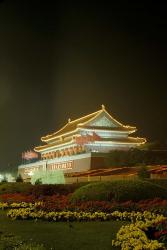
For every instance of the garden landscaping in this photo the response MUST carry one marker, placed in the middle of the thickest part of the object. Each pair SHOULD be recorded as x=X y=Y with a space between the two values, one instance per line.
x=62 y=235
x=105 y=215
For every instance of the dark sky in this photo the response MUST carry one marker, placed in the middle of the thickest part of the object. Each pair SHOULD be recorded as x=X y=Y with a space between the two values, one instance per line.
x=65 y=59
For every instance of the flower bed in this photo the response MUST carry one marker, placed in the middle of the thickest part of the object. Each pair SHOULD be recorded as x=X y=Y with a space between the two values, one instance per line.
x=147 y=230
x=134 y=236
x=16 y=205
x=141 y=233
x=33 y=213
x=28 y=213
x=144 y=229
x=62 y=203
x=131 y=236
x=17 y=197
x=159 y=231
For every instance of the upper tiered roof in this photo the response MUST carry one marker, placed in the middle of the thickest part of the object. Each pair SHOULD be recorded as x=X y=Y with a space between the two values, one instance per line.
x=83 y=122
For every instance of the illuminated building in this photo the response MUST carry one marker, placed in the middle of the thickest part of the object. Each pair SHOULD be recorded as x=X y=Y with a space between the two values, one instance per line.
x=72 y=147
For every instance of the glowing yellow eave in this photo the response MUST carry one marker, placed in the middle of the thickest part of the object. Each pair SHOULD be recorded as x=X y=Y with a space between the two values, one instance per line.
x=104 y=110
x=97 y=113
x=44 y=138
x=45 y=147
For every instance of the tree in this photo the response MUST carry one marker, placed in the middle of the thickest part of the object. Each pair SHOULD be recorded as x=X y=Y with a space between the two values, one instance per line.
x=4 y=180
x=38 y=181
x=19 y=178
x=143 y=172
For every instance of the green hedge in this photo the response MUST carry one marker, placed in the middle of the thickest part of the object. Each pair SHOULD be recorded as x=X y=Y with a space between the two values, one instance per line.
x=120 y=190
x=160 y=182
x=39 y=190
x=51 y=189
x=14 y=188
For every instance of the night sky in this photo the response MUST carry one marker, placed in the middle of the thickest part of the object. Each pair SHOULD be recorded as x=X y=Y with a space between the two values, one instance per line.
x=65 y=59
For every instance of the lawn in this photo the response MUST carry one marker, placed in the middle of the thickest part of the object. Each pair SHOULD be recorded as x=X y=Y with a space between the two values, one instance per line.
x=63 y=236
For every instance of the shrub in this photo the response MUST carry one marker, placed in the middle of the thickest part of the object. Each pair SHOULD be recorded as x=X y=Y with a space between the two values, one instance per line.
x=4 y=180
x=16 y=187
x=53 y=189
x=143 y=172
x=120 y=190
x=38 y=181
x=19 y=178
x=160 y=182
x=38 y=190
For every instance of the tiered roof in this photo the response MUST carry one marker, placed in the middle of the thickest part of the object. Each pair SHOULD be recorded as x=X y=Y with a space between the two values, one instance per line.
x=65 y=134
x=82 y=122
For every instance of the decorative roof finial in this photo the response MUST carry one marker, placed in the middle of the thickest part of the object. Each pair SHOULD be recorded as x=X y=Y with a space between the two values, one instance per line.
x=103 y=107
x=69 y=120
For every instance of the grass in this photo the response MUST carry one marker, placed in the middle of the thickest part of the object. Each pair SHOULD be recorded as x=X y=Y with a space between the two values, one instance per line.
x=61 y=235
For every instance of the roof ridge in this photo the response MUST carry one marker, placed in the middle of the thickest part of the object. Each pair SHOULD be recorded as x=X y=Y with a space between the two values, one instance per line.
x=86 y=116
x=44 y=138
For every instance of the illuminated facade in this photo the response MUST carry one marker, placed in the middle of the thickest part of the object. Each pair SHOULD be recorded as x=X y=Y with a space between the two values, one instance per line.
x=71 y=147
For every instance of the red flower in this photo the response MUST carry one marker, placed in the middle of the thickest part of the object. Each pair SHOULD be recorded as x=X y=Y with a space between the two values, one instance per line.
x=163 y=232
x=156 y=235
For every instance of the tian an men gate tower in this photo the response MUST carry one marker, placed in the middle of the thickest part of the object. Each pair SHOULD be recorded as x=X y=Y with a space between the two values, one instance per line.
x=72 y=148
